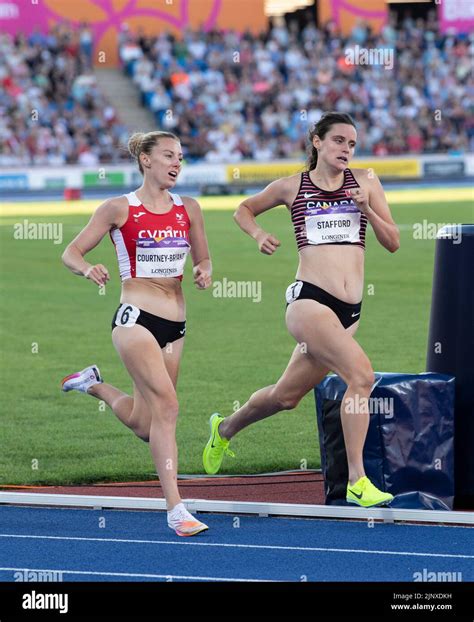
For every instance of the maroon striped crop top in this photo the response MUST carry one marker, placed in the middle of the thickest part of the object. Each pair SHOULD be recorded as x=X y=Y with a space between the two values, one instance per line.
x=327 y=217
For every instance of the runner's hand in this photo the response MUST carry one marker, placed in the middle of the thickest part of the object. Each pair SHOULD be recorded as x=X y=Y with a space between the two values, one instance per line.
x=98 y=274
x=267 y=243
x=360 y=198
x=202 y=278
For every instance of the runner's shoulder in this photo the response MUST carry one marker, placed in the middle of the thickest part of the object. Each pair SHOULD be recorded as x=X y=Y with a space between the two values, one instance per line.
x=287 y=187
x=364 y=176
x=290 y=181
x=191 y=206
x=114 y=210
x=190 y=202
x=118 y=202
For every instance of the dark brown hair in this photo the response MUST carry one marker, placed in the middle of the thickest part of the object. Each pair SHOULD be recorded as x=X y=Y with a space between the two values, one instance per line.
x=321 y=128
x=141 y=142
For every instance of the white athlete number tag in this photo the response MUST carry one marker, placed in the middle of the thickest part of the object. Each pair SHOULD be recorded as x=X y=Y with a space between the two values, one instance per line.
x=127 y=315
x=293 y=291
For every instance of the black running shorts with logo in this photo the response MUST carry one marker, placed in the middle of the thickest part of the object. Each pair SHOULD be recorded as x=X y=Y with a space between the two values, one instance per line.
x=347 y=313
x=163 y=330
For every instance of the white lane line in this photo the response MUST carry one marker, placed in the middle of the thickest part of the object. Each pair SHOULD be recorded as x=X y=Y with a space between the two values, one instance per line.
x=242 y=546
x=136 y=575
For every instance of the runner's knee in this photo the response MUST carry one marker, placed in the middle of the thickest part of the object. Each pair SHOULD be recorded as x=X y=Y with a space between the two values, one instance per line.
x=285 y=400
x=362 y=379
x=164 y=408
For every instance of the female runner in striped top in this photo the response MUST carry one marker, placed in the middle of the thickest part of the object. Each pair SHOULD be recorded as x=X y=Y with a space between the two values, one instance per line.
x=330 y=206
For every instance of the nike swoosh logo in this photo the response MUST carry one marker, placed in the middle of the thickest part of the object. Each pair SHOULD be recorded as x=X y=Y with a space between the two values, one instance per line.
x=355 y=314
x=213 y=438
x=308 y=196
x=181 y=332
x=355 y=494
x=139 y=214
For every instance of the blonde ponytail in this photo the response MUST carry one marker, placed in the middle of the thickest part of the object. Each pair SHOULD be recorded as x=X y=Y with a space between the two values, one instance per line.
x=135 y=143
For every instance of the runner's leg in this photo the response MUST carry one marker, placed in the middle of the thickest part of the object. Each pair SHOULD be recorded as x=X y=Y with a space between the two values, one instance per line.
x=302 y=374
x=138 y=419
x=155 y=401
x=318 y=326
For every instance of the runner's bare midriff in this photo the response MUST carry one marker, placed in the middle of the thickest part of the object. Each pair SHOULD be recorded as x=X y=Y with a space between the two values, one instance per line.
x=336 y=268
x=162 y=297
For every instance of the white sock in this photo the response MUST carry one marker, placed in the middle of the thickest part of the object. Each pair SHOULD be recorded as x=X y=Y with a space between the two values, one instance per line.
x=179 y=513
x=180 y=507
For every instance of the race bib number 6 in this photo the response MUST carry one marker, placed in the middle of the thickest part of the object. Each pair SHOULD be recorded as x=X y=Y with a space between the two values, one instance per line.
x=127 y=315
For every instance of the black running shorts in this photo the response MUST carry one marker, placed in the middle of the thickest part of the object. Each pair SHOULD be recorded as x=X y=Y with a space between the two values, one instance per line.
x=347 y=313
x=163 y=330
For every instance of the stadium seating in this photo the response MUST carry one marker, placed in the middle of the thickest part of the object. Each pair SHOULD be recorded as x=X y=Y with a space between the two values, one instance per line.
x=233 y=96
x=53 y=112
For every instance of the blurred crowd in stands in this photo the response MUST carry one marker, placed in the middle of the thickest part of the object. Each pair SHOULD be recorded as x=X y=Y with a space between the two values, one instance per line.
x=52 y=110
x=232 y=96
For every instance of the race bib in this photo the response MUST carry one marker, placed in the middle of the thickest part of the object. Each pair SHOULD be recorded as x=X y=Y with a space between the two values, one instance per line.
x=162 y=257
x=332 y=221
x=127 y=315
x=293 y=291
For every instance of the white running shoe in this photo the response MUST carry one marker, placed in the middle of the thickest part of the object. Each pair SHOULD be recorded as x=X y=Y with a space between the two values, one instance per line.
x=82 y=380
x=184 y=523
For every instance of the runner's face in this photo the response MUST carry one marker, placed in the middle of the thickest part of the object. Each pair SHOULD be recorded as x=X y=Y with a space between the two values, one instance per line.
x=164 y=162
x=337 y=147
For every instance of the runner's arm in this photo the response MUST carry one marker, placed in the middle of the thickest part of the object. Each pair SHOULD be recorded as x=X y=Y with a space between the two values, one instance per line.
x=245 y=215
x=101 y=222
x=373 y=204
x=202 y=266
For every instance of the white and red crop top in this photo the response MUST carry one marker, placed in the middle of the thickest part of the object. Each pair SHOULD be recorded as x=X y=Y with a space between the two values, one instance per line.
x=152 y=245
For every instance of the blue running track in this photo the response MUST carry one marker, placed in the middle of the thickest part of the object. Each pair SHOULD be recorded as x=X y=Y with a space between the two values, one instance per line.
x=112 y=545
